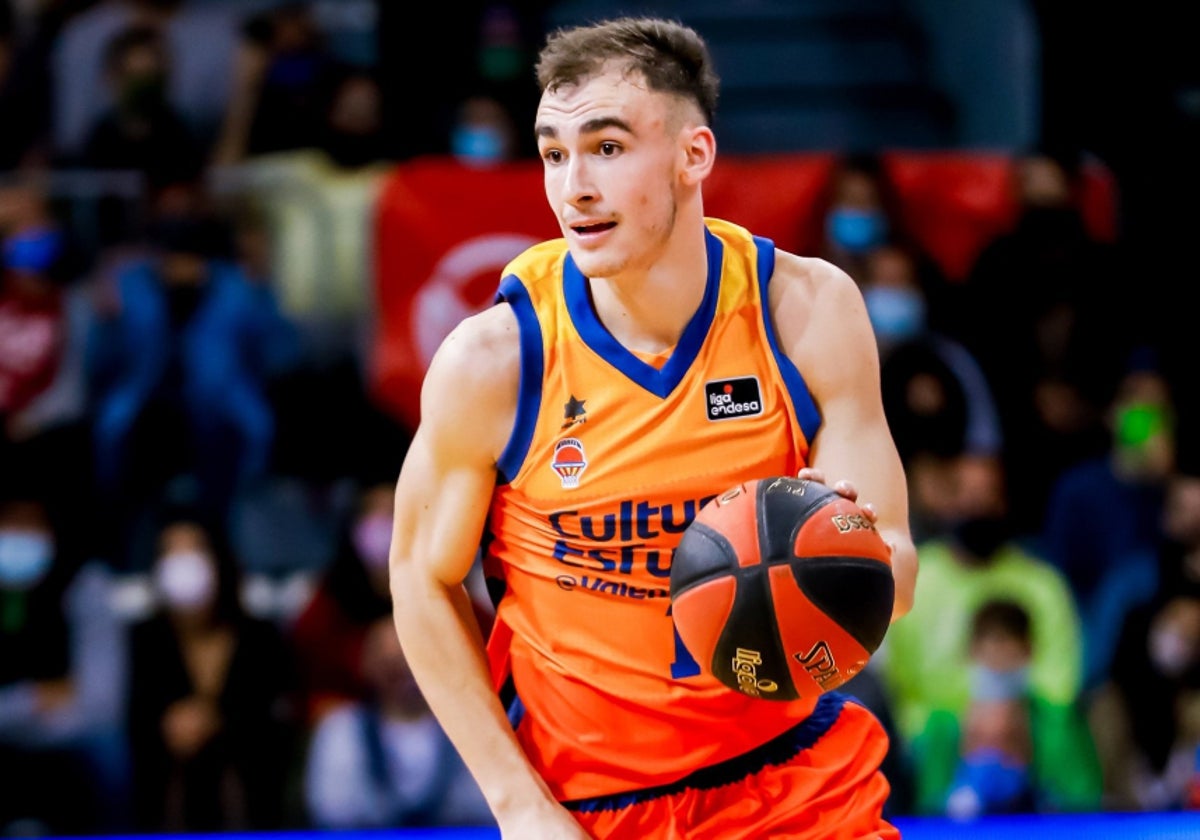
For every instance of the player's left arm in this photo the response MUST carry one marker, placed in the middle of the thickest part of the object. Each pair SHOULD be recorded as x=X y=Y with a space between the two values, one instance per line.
x=823 y=328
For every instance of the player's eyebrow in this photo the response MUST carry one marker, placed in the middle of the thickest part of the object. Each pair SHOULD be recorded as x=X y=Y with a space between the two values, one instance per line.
x=589 y=127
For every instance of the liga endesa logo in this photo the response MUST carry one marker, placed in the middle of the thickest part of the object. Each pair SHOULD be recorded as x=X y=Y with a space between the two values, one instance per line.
x=729 y=399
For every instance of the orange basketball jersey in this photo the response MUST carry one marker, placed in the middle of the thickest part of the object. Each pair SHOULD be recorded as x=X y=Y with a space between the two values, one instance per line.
x=609 y=460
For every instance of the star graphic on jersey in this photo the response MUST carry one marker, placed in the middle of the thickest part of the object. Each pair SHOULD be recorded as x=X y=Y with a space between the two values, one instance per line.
x=574 y=412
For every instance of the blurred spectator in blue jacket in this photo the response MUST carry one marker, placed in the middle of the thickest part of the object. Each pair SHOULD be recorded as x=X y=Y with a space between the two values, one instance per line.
x=1104 y=518
x=191 y=349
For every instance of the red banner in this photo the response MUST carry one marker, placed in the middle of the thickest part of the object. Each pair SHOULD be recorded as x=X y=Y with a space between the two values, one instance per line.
x=444 y=232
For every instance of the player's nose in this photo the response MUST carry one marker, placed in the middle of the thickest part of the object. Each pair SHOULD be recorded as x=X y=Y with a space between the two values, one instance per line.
x=578 y=185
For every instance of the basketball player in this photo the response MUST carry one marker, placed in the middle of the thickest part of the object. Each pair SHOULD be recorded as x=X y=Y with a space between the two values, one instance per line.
x=632 y=370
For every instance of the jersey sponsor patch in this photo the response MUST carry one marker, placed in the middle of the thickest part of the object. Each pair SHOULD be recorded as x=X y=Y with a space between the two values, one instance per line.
x=569 y=462
x=729 y=399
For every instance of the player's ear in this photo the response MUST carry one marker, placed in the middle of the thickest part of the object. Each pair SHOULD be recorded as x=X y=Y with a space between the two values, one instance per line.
x=698 y=152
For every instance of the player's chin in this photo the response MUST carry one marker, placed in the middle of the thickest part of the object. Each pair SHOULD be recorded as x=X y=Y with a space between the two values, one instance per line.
x=594 y=264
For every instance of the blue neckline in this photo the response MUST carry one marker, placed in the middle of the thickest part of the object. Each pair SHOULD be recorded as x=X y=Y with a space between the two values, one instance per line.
x=660 y=382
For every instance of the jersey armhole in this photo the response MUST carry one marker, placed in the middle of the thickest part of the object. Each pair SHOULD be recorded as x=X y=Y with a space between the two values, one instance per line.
x=803 y=405
x=529 y=394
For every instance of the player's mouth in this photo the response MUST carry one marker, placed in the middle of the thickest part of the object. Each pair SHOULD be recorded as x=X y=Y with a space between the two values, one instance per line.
x=592 y=229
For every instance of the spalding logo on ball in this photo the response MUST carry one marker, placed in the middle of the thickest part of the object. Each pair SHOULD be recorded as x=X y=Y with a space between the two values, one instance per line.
x=782 y=588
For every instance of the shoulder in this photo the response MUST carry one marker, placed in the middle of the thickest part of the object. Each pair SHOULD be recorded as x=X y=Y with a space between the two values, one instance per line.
x=470 y=390
x=806 y=285
x=483 y=351
x=820 y=318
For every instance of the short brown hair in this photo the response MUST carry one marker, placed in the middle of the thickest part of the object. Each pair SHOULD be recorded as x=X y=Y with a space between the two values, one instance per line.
x=671 y=57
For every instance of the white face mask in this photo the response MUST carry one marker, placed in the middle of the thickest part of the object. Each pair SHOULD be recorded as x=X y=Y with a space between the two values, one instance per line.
x=373 y=539
x=186 y=579
x=1170 y=651
x=25 y=557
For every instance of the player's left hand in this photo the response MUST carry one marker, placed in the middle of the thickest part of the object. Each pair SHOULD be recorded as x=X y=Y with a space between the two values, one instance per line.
x=842 y=488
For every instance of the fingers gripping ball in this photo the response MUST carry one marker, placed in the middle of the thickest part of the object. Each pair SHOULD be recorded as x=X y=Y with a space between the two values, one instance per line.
x=781 y=588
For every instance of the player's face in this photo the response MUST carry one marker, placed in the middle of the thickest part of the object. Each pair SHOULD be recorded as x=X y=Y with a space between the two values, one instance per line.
x=610 y=150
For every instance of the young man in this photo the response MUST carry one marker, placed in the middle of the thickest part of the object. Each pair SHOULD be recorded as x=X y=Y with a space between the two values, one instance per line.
x=645 y=362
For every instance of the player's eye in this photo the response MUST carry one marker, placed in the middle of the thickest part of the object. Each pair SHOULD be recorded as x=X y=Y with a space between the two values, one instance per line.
x=609 y=149
x=553 y=155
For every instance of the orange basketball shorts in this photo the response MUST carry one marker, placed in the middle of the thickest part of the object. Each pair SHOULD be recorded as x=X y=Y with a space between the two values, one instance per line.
x=818 y=781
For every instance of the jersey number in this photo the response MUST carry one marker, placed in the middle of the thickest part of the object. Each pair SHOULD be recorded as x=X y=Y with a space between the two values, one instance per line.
x=684 y=665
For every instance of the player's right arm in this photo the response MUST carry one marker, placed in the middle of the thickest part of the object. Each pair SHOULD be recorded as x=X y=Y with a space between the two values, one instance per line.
x=468 y=406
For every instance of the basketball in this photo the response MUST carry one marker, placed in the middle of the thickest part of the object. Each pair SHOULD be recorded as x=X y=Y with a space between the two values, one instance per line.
x=781 y=588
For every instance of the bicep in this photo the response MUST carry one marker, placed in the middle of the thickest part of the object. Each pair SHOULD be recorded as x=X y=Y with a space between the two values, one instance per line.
x=841 y=363
x=441 y=504
x=445 y=486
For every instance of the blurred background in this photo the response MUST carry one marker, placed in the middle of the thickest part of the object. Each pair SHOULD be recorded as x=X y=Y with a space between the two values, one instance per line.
x=232 y=234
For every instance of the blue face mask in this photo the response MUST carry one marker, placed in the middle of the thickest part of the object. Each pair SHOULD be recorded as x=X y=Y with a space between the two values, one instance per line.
x=33 y=250
x=856 y=231
x=990 y=684
x=25 y=557
x=477 y=145
x=896 y=314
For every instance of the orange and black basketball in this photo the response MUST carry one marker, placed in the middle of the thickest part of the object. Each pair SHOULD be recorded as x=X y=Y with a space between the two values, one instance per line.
x=782 y=588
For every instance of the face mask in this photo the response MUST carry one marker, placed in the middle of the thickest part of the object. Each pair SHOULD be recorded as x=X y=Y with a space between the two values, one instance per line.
x=856 y=231
x=33 y=250
x=477 y=145
x=144 y=94
x=1171 y=652
x=186 y=579
x=373 y=539
x=25 y=558
x=896 y=314
x=990 y=684
x=981 y=536
x=1137 y=423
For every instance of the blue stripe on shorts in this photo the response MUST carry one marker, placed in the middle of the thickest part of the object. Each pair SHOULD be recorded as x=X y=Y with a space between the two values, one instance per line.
x=779 y=750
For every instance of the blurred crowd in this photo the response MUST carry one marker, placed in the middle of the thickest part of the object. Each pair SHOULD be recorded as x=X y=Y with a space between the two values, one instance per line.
x=195 y=479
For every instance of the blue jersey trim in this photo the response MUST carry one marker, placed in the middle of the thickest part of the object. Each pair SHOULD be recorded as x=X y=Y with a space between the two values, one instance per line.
x=658 y=382
x=779 y=750
x=803 y=404
x=529 y=395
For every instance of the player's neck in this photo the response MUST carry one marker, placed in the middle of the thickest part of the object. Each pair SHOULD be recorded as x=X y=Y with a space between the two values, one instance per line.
x=648 y=310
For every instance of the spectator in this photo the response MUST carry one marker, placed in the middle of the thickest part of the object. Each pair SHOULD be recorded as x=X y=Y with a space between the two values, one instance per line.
x=211 y=702
x=317 y=198
x=39 y=762
x=384 y=761
x=1103 y=523
x=200 y=38
x=1011 y=751
x=329 y=635
x=281 y=88
x=33 y=251
x=142 y=130
x=1144 y=718
x=483 y=133
x=935 y=393
x=189 y=354
x=861 y=214
x=1049 y=344
x=976 y=560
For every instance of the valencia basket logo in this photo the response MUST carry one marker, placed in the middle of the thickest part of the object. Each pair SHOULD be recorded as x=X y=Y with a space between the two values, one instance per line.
x=569 y=462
